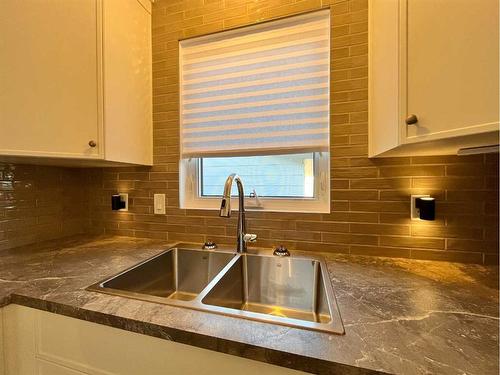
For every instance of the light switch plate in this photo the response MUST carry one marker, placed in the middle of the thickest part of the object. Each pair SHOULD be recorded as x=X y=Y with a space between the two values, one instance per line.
x=159 y=204
x=415 y=212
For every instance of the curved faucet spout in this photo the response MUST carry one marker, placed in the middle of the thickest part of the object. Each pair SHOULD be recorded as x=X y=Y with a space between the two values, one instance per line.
x=225 y=211
x=225 y=207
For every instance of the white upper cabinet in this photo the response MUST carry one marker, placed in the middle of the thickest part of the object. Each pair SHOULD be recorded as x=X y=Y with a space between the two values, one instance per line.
x=75 y=81
x=433 y=76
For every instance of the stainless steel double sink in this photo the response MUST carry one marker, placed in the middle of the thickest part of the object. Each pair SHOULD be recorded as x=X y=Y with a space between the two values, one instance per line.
x=293 y=291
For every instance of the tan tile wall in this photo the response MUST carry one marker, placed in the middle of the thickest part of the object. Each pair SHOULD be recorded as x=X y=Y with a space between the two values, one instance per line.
x=40 y=203
x=370 y=198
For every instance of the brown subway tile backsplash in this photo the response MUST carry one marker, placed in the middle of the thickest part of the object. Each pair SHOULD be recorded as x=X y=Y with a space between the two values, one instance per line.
x=40 y=203
x=370 y=197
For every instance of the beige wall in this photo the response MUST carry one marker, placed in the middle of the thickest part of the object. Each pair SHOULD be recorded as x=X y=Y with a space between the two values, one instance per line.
x=370 y=198
x=40 y=203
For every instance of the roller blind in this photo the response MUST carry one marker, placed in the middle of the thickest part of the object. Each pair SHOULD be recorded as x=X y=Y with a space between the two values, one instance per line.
x=261 y=89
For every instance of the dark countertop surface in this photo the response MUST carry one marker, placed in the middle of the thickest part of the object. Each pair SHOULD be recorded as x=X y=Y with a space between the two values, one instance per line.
x=400 y=316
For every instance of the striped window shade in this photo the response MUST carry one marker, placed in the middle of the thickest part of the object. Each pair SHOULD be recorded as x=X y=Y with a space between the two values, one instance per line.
x=262 y=89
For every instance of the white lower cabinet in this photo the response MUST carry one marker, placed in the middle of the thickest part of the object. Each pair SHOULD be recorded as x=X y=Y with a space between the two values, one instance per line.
x=2 y=370
x=38 y=342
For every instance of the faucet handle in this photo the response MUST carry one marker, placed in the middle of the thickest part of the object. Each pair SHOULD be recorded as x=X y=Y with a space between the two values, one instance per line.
x=249 y=237
x=209 y=245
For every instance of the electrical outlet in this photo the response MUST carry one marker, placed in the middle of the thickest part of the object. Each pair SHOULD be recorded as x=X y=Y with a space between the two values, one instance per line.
x=415 y=212
x=159 y=204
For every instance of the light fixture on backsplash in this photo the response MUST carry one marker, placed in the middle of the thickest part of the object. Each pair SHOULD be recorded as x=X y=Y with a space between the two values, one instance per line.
x=423 y=207
x=119 y=202
x=427 y=208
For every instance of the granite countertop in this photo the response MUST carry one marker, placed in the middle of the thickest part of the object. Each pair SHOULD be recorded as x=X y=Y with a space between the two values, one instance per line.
x=400 y=316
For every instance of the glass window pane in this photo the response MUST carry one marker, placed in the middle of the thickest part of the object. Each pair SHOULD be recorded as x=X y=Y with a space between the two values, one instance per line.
x=270 y=175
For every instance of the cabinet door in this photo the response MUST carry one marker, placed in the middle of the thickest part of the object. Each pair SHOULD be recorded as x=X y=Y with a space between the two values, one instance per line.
x=2 y=360
x=49 y=65
x=45 y=343
x=128 y=92
x=452 y=68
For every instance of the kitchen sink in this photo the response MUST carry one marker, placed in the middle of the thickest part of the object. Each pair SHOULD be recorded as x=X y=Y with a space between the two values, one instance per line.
x=294 y=291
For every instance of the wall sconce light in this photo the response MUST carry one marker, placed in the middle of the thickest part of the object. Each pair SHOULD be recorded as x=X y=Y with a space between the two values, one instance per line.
x=423 y=207
x=119 y=202
x=427 y=208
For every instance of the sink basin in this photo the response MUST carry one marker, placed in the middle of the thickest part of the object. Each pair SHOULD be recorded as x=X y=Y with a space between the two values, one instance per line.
x=282 y=287
x=177 y=274
x=295 y=291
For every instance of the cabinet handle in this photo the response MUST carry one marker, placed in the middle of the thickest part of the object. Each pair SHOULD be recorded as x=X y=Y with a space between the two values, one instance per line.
x=92 y=144
x=411 y=119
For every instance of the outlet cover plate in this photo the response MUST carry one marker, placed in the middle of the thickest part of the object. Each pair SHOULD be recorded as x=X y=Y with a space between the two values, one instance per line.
x=159 y=204
x=415 y=212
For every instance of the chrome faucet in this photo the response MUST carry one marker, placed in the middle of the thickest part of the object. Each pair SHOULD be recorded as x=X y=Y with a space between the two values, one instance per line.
x=225 y=211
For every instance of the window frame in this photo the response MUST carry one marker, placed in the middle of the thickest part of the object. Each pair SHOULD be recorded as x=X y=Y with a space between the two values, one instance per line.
x=191 y=198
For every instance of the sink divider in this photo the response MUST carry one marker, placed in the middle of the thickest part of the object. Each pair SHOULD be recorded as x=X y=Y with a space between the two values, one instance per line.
x=216 y=279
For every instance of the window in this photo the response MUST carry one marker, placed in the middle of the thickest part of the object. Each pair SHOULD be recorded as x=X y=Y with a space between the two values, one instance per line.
x=255 y=101
x=270 y=175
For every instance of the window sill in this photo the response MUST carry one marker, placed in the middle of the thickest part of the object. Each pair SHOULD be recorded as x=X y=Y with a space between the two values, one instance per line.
x=268 y=205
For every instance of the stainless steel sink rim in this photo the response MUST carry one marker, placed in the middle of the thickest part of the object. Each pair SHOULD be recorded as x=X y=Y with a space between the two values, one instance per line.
x=335 y=324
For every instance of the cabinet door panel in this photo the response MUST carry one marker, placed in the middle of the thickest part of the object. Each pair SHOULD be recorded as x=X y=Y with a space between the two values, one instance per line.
x=452 y=57
x=127 y=90
x=2 y=359
x=49 y=77
x=49 y=344
x=49 y=368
